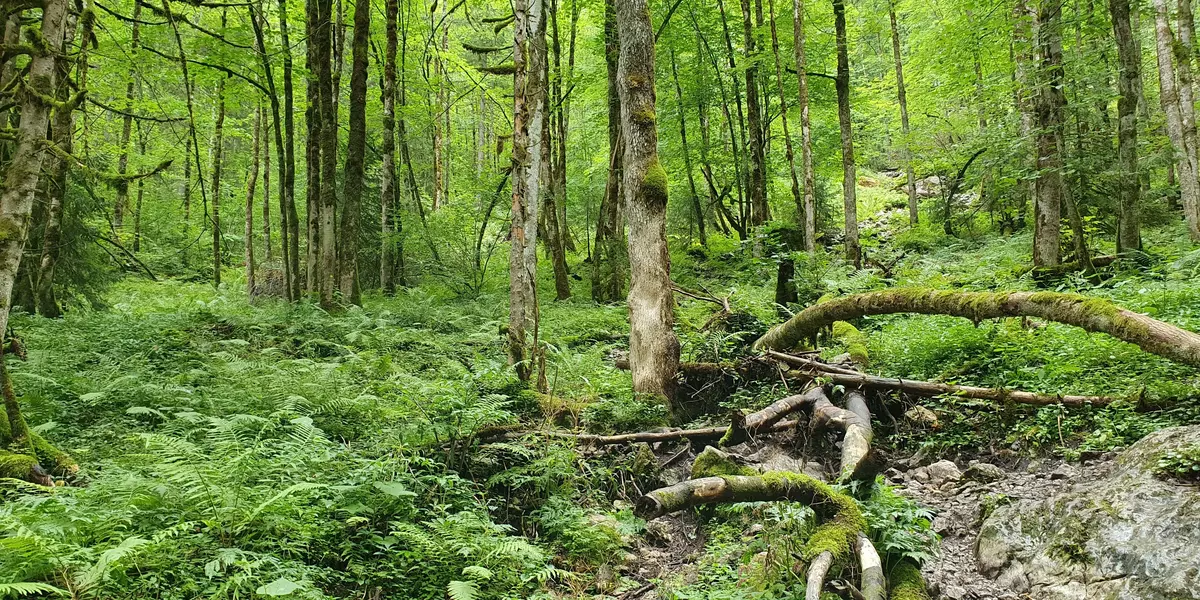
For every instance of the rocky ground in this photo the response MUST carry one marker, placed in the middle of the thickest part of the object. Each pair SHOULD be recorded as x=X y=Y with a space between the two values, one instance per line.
x=961 y=496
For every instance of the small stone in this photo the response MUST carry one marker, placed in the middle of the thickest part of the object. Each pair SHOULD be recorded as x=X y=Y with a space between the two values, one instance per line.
x=984 y=472
x=921 y=474
x=1062 y=472
x=954 y=592
x=659 y=534
x=949 y=486
x=894 y=475
x=943 y=471
x=919 y=415
x=753 y=530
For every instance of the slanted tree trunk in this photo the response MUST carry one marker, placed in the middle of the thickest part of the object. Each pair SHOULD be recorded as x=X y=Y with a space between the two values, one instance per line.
x=1049 y=103
x=127 y=121
x=902 y=99
x=1091 y=314
x=1189 y=187
x=653 y=347
x=1129 y=236
x=251 y=183
x=610 y=260
x=756 y=176
x=356 y=150
x=218 y=157
x=388 y=197
x=529 y=109
x=697 y=208
x=849 y=172
x=806 y=157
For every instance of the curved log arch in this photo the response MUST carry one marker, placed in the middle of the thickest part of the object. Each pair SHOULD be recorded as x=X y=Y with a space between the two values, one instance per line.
x=1091 y=314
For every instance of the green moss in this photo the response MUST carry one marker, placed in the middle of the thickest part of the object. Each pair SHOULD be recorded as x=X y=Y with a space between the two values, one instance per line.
x=843 y=519
x=654 y=184
x=855 y=341
x=16 y=466
x=9 y=228
x=906 y=582
x=52 y=458
x=644 y=116
x=714 y=463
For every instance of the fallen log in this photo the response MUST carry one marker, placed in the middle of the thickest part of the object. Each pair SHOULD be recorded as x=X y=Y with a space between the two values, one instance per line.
x=873 y=585
x=850 y=378
x=1091 y=314
x=815 y=582
x=706 y=434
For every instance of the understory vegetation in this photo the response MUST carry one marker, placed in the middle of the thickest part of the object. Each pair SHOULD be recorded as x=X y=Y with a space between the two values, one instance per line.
x=256 y=449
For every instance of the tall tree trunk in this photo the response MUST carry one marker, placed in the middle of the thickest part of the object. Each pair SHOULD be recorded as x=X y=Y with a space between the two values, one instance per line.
x=268 y=253
x=1023 y=91
x=436 y=73
x=756 y=177
x=849 y=173
x=1185 y=55
x=797 y=195
x=697 y=208
x=286 y=149
x=806 y=158
x=738 y=139
x=653 y=347
x=1049 y=103
x=356 y=150
x=218 y=157
x=1169 y=96
x=251 y=183
x=24 y=170
x=610 y=260
x=141 y=194
x=388 y=198
x=317 y=52
x=1129 y=235
x=327 y=37
x=902 y=98
x=186 y=192
x=127 y=123
x=529 y=109
x=553 y=238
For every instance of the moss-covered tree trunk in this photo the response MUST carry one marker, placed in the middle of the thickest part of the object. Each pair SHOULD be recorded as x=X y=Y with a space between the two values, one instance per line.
x=653 y=347
x=1049 y=104
x=356 y=151
x=849 y=171
x=610 y=262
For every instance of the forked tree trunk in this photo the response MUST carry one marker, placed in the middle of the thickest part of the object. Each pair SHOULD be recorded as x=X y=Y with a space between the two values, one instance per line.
x=1129 y=236
x=806 y=157
x=653 y=347
x=356 y=150
x=251 y=184
x=902 y=98
x=849 y=172
x=1049 y=104
x=1091 y=314
x=529 y=110
x=1189 y=187
x=388 y=198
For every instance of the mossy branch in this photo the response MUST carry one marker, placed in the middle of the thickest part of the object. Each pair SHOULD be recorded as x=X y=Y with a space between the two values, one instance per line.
x=1091 y=314
x=113 y=179
x=504 y=69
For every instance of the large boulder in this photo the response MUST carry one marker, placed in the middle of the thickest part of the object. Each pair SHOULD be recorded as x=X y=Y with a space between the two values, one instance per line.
x=1128 y=536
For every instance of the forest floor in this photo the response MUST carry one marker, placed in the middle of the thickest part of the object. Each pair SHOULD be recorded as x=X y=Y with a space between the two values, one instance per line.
x=232 y=448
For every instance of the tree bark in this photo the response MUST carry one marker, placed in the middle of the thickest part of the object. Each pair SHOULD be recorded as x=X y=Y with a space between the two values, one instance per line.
x=769 y=487
x=127 y=122
x=1185 y=53
x=1091 y=314
x=756 y=177
x=388 y=197
x=1129 y=57
x=653 y=347
x=815 y=581
x=1049 y=104
x=218 y=157
x=902 y=98
x=529 y=107
x=1189 y=187
x=356 y=150
x=317 y=51
x=697 y=208
x=251 y=184
x=328 y=38
x=849 y=172
x=286 y=149
x=806 y=158
x=737 y=138
x=610 y=261
x=268 y=252
x=797 y=195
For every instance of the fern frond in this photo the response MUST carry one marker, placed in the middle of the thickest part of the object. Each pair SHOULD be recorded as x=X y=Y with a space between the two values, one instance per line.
x=462 y=590
x=29 y=588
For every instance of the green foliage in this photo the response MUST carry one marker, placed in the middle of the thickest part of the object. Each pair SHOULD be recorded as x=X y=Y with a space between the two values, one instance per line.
x=1181 y=465
x=900 y=528
x=612 y=415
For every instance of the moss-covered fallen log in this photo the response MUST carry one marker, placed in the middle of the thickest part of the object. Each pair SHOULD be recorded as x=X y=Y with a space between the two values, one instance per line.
x=1091 y=314
x=906 y=583
x=812 y=369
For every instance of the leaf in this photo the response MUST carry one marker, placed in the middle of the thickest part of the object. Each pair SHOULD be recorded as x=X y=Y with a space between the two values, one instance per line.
x=394 y=489
x=478 y=572
x=28 y=589
x=91 y=396
x=462 y=590
x=280 y=587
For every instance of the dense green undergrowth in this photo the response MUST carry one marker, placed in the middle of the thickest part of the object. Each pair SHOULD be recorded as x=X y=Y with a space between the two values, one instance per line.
x=232 y=449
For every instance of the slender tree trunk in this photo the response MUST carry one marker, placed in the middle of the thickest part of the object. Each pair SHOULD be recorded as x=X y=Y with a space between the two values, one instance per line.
x=251 y=183
x=849 y=173
x=1189 y=188
x=653 y=347
x=356 y=151
x=797 y=195
x=1185 y=56
x=609 y=262
x=328 y=269
x=24 y=170
x=218 y=157
x=529 y=109
x=902 y=98
x=1129 y=235
x=289 y=218
x=1048 y=104
x=806 y=158
x=436 y=73
x=756 y=177
x=553 y=238
x=738 y=140
x=388 y=199
x=141 y=195
x=317 y=52
x=697 y=208
x=127 y=123
x=186 y=192
x=268 y=253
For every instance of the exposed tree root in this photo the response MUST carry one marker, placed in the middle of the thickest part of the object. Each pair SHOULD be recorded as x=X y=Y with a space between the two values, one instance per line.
x=850 y=378
x=1091 y=314
x=873 y=586
x=815 y=582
